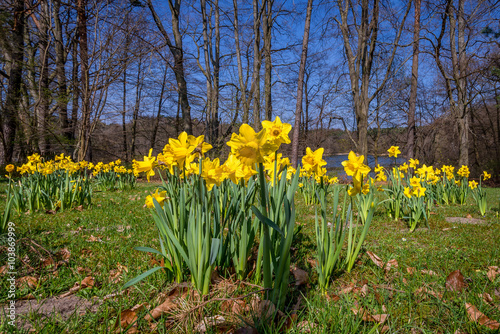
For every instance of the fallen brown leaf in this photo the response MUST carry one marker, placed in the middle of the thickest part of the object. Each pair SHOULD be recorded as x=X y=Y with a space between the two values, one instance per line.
x=87 y=282
x=428 y=272
x=93 y=239
x=115 y=275
x=166 y=307
x=455 y=281
x=47 y=262
x=237 y=306
x=312 y=262
x=364 y=290
x=127 y=318
x=3 y=269
x=79 y=208
x=83 y=270
x=493 y=271
x=332 y=297
x=306 y=326
x=391 y=264
x=422 y=290
x=489 y=300
x=64 y=254
x=27 y=281
x=410 y=270
x=476 y=316
x=375 y=259
x=216 y=320
x=301 y=276
x=366 y=316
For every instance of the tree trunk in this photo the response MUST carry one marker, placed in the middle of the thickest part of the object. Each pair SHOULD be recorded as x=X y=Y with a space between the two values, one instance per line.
x=267 y=36
x=135 y=115
x=300 y=85
x=62 y=98
x=124 y=113
x=158 y=114
x=243 y=85
x=84 y=148
x=42 y=104
x=75 y=86
x=256 y=65
x=13 y=95
x=411 y=134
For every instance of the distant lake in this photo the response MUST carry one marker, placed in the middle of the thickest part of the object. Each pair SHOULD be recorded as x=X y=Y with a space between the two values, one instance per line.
x=335 y=161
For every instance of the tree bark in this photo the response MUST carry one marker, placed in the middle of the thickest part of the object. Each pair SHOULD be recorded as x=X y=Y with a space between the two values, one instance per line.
x=75 y=86
x=135 y=115
x=158 y=114
x=62 y=98
x=13 y=96
x=83 y=149
x=256 y=65
x=300 y=85
x=414 y=83
x=243 y=84
x=267 y=37
x=42 y=103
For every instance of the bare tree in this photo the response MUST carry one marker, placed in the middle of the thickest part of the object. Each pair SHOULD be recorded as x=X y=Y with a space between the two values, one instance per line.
x=178 y=54
x=13 y=96
x=300 y=85
x=360 y=53
x=410 y=144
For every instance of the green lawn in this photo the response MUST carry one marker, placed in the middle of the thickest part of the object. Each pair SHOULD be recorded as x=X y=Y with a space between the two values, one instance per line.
x=101 y=239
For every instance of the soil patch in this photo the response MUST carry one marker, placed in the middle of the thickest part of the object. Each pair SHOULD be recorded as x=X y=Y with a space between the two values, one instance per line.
x=60 y=308
x=462 y=220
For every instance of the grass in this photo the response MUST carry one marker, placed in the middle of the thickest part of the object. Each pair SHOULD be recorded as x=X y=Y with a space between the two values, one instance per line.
x=101 y=239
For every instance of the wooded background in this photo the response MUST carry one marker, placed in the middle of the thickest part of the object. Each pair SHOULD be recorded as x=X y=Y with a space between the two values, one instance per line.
x=102 y=80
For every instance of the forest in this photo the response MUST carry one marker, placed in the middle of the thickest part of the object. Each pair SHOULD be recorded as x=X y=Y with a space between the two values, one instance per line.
x=102 y=80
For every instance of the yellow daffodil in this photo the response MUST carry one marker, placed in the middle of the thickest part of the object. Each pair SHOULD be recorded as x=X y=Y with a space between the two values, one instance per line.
x=366 y=189
x=212 y=172
x=473 y=184
x=181 y=149
x=381 y=177
x=10 y=168
x=394 y=151
x=147 y=165
x=277 y=132
x=463 y=171
x=404 y=167
x=379 y=169
x=415 y=181
x=407 y=192
x=354 y=165
x=419 y=191
x=414 y=163
x=250 y=147
x=159 y=196
x=313 y=162
x=486 y=175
